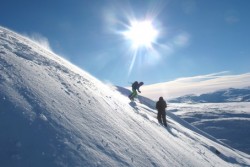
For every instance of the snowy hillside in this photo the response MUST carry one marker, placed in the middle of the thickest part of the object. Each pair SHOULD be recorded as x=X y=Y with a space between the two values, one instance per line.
x=55 y=114
x=228 y=95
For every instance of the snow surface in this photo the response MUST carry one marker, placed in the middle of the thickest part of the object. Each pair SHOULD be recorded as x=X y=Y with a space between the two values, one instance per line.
x=54 y=114
x=228 y=122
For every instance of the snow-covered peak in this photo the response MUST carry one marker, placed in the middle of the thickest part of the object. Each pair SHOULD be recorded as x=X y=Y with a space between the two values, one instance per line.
x=54 y=114
x=220 y=96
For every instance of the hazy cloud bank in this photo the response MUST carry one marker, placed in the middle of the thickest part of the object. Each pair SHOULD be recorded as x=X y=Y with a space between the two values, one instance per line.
x=196 y=85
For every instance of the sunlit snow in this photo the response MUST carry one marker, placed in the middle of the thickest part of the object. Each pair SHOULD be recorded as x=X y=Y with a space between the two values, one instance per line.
x=54 y=114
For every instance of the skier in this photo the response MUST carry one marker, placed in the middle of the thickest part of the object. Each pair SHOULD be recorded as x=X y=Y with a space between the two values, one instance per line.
x=161 y=105
x=135 y=86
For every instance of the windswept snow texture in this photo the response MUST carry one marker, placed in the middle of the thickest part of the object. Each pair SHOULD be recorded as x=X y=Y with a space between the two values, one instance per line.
x=221 y=96
x=54 y=114
x=228 y=122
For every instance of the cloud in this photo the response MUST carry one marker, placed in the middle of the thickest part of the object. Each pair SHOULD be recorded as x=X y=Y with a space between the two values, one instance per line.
x=232 y=19
x=232 y=16
x=182 y=39
x=169 y=47
x=196 y=85
x=202 y=77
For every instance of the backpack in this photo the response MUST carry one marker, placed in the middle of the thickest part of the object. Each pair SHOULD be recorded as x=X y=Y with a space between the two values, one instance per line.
x=135 y=85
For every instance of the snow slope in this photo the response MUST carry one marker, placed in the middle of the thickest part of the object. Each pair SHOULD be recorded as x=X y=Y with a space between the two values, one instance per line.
x=55 y=114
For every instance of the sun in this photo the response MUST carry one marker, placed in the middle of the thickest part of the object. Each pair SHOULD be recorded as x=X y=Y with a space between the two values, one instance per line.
x=141 y=34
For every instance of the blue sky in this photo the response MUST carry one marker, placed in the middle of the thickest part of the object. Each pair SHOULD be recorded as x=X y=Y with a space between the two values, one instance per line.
x=196 y=37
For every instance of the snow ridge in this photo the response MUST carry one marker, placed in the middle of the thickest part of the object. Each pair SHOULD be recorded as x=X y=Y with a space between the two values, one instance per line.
x=54 y=114
x=226 y=95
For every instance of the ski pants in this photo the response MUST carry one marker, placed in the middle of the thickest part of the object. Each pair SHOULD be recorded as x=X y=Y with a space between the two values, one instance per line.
x=161 y=116
x=133 y=94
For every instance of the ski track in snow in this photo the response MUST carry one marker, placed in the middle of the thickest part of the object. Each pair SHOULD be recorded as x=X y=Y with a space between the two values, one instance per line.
x=54 y=114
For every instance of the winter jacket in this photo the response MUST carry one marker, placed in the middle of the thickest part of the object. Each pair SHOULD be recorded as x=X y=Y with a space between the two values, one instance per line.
x=161 y=105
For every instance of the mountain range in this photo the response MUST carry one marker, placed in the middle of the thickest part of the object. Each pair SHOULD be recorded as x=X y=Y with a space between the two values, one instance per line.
x=221 y=96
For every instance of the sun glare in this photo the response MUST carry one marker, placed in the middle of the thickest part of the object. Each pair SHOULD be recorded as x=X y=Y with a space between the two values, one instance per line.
x=141 y=34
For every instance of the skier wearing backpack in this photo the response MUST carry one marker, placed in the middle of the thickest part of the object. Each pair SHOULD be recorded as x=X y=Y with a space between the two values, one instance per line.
x=135 y=87
x=161 y=105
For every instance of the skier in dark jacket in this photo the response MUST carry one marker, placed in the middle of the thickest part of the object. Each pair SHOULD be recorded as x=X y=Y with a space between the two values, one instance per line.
x=135 y=87
x=161 y=105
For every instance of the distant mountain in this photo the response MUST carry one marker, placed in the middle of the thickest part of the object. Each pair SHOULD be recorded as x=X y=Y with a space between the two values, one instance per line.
x=221 y=96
